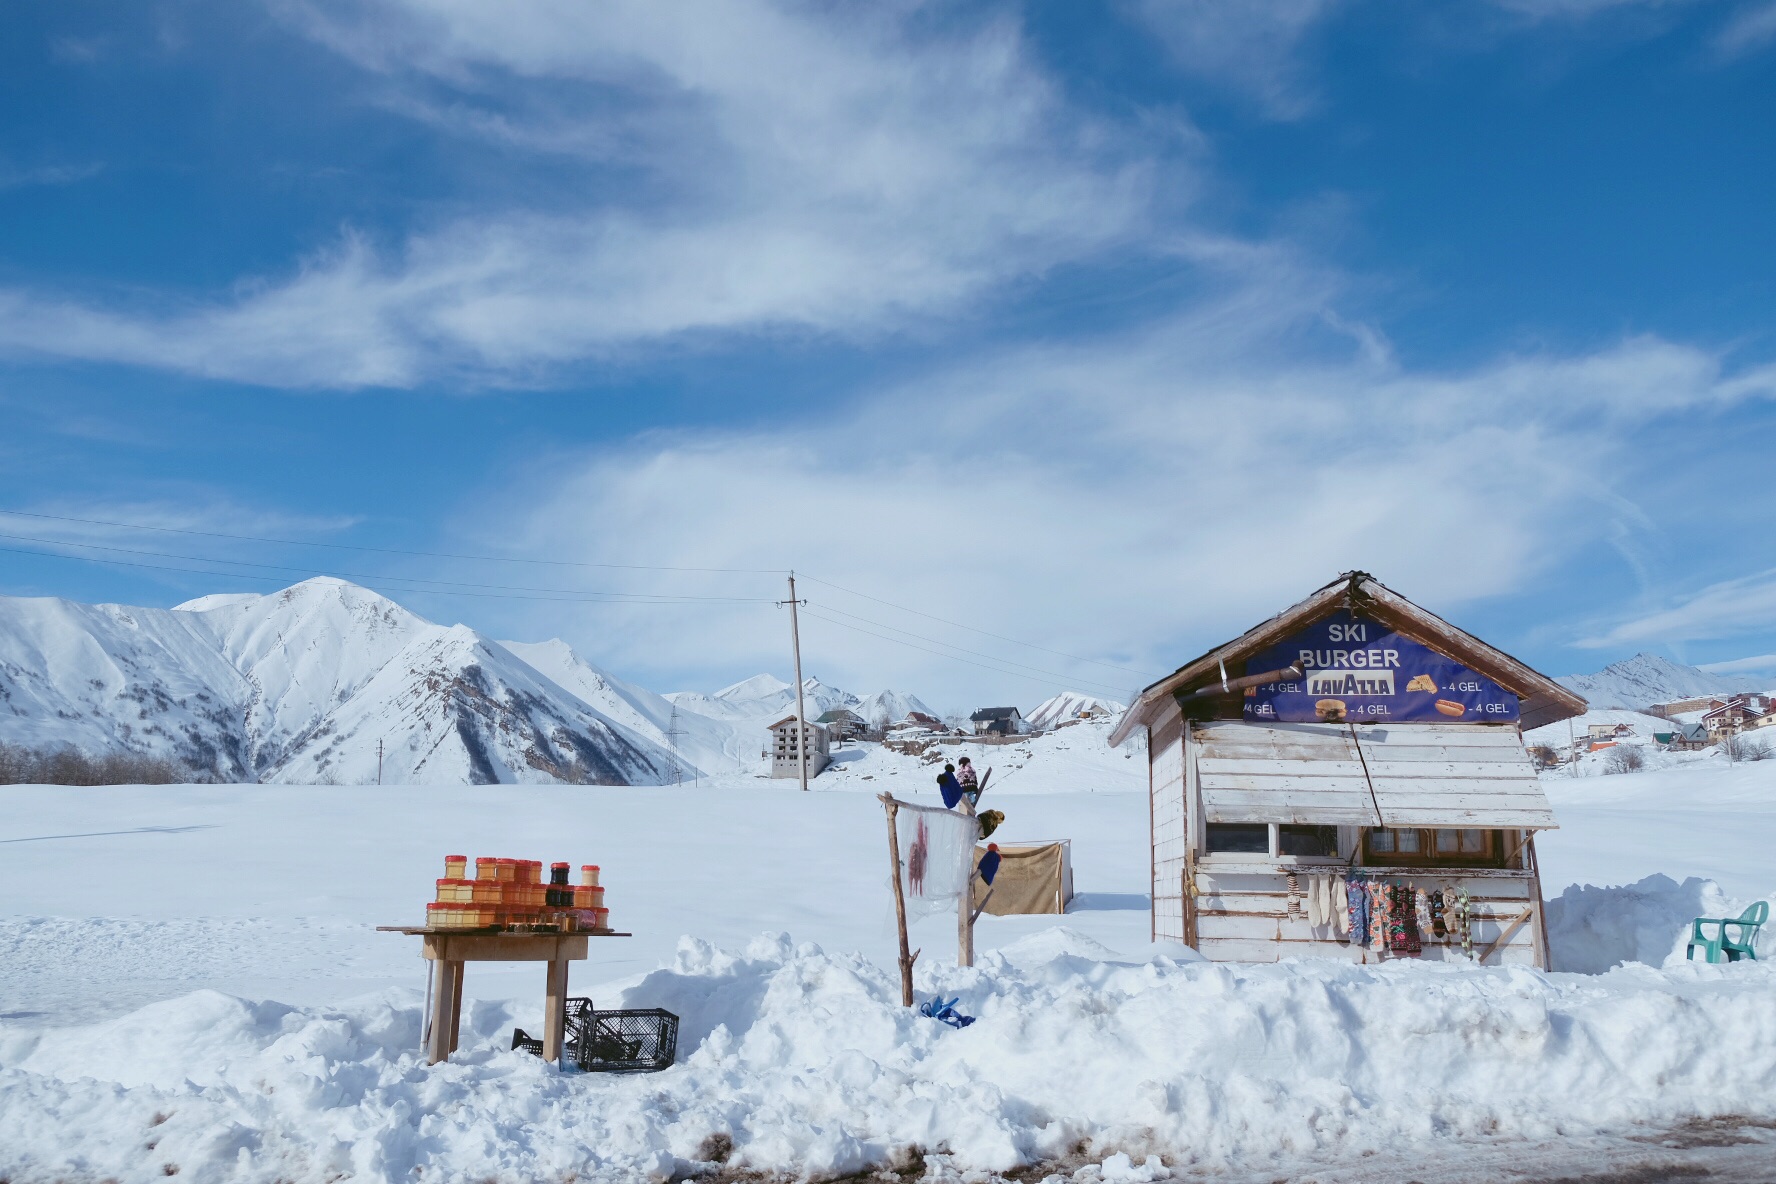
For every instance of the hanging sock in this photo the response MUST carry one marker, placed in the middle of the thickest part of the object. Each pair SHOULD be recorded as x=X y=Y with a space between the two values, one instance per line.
x=1340 y=905
x=1437 y=927
x=1378 y=918
x=1293 y=908
x=1316 y=901
x=1357 y=902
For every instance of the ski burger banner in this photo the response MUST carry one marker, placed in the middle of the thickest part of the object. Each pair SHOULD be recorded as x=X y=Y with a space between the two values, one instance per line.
x=1356 y=669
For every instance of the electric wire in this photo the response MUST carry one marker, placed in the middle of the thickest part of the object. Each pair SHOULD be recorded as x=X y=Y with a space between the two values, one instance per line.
x=983 y=632
x=1048 y=680
x=421 y=584
x=249 y=538
x=582 y=598
x=950 y=645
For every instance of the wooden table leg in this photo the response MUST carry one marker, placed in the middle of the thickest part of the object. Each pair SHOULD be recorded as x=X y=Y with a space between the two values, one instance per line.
x=555 y=1010
x=456 y=996
x=444 y=1013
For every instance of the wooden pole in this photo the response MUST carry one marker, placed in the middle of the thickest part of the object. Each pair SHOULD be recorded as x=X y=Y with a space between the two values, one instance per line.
x=900 y=924
x=795 y=637
x=965 y=902
x=439 y=1041
x=554 y=1009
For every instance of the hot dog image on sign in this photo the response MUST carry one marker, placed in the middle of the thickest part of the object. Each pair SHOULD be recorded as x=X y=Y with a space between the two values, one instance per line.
x=1356 y=670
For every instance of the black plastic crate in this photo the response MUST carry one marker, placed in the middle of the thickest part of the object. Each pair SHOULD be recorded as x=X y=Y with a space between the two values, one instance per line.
x=642 y=1040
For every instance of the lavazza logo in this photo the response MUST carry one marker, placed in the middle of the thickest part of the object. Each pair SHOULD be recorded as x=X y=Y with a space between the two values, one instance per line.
x=1350 y=682
x=1350 y=671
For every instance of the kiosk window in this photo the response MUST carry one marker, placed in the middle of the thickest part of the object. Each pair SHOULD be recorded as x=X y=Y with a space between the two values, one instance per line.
x=1307 y=840
x=1242 y=838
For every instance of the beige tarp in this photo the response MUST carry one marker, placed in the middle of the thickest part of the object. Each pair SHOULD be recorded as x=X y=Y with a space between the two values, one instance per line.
x=1033 y=878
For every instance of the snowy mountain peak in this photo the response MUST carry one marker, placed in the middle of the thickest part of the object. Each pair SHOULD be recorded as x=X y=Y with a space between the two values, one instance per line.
x=759 y=686
x=1646 y=679
x=1070 y=705
x=889 y=707
x=302 y=685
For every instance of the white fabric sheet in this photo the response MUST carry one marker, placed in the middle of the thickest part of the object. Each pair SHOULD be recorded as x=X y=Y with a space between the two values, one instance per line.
x=936 y=856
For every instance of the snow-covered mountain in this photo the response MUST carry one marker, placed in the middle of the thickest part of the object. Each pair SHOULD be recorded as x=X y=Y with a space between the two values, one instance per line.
x=702 y=743
x=299 y=686
x=1069 y=705
x=889 y=707
x=765 y=696
x=1646 y=679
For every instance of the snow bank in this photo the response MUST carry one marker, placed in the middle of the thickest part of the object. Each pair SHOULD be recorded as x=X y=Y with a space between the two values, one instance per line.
x=1592 y=929
x=800 y=1062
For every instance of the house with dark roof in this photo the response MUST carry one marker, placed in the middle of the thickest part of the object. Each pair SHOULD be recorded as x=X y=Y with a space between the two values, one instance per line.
x=997 y=721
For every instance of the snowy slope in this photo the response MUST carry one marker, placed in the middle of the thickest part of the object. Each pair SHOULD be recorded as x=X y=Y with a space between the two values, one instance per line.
x=1646 y=679
x=765 y=697
x=244 y=1018
x=889 y=707
x=300 y=685
x=705 y=745
x=105 y=677
x=460 y=708
x=1069 y=705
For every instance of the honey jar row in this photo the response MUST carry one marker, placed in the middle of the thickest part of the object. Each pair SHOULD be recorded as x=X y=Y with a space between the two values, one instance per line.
x=511 y=894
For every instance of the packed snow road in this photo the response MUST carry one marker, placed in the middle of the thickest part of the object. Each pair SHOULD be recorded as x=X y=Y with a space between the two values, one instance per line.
x=189 y=979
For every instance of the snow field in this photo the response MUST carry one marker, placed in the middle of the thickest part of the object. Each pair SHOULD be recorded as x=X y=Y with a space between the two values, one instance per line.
x=140 y=954
x=804 y=1063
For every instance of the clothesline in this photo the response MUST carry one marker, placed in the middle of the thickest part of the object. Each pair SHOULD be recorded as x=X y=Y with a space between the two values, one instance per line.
x=1388 y=918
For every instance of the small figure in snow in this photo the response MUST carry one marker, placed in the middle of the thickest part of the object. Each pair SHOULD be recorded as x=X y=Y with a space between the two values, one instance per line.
x=968 y=779
x=949 y=786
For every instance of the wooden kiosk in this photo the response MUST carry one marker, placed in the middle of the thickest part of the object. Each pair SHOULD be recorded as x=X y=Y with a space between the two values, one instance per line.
x=1354 y=735
x=452 y=948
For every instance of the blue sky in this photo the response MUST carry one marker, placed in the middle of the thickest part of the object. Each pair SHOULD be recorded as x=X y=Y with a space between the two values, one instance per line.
x=1102 y=330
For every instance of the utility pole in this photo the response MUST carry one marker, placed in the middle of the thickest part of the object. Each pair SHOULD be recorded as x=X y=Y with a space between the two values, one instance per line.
x=795 y=637
x=672 y=735
x=379 y=762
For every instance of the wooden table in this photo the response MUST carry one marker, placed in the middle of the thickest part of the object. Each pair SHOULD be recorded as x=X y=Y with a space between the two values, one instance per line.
x=450 y=948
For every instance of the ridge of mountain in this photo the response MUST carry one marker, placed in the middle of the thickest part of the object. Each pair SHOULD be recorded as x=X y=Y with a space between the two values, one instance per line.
x=1646 y=679
x=299 y=685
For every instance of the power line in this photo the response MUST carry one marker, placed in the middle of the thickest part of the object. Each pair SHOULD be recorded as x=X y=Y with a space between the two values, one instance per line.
x=645 y=597
x=241 y=575
x=1064 y=679
x=948 y=645
x=983 y=632
x=248 y=538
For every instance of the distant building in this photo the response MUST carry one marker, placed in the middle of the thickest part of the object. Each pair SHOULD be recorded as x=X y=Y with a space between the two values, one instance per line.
x=1608 y=731
x=843 y=724
x=786 y=754
x=920 y=719
x=1736 y=714
x=1685 y=706
x=997 y=721
x=1691 y=737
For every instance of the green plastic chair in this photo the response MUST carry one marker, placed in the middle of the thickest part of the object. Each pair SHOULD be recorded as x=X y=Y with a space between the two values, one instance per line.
x=1748 y=923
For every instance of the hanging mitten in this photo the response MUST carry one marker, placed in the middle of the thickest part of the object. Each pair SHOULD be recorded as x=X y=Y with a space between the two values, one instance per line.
x=989 y=821
x=989 y=864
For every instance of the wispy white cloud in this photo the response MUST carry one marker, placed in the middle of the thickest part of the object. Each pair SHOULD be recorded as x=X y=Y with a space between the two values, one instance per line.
x=783 y=170
x=1251 y=48
x=1726 y=609
x=1749 y=29
x=1128 y=498
x=12 y=177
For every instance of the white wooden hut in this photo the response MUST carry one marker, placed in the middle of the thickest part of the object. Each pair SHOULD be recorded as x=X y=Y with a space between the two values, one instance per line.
x=1353 y=739
x=786 y=755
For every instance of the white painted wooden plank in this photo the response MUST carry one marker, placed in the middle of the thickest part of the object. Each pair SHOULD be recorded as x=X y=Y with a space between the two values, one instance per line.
x=1237 y=950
